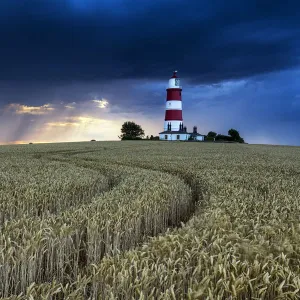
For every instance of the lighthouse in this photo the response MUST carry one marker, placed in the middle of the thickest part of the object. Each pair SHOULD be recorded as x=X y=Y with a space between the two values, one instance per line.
x=173 y=125
x=173 y=115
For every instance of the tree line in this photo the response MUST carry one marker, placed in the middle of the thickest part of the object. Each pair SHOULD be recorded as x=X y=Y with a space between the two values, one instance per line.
x=132 y=131
x=233 y=136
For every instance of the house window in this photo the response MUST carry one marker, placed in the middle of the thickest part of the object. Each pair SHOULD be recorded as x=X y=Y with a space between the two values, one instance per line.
x=178 y=137
x=166 y=137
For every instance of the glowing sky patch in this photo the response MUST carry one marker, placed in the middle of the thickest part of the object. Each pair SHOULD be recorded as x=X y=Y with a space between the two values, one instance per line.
x=60 y=124
x=70 y=105
x=101 y=103
x=20 y=109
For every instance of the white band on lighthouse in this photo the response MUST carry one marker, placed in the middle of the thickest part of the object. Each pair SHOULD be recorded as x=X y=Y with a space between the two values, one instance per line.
x=173 y=105
x=174 y=83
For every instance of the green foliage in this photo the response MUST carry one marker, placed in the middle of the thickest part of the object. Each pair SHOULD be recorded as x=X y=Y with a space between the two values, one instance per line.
x=131 y=131
x=130 y=138
x=234 y=134
x=154 y=138
x=209 y=139
x=212 y=134
x=221 y=137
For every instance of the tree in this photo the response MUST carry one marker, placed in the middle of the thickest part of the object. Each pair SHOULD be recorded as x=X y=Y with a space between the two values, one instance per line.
x=235 y=135
x=212 y=134
x=151 y=137
x=131 y=131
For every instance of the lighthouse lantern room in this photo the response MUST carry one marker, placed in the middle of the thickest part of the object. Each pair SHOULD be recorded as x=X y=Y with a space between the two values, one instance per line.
x=173 y=126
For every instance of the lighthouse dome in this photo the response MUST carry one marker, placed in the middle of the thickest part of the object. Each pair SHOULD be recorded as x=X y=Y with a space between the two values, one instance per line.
x=174 y=82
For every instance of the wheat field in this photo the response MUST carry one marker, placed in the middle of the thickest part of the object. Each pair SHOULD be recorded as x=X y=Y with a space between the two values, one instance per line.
x=149 y=220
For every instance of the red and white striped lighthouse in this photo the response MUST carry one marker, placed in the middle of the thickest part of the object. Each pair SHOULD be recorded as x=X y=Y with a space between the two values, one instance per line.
x=173 y=116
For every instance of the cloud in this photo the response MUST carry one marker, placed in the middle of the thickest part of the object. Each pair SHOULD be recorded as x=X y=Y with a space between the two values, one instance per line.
x=208 y=42
x=101 y=103
x=86 y=120
x=69 y=105
x=61 y=124
x=20 y=109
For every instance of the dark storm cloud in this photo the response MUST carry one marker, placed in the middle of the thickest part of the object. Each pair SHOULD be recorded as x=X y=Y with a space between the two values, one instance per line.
x=207 y=41
x=231 y=56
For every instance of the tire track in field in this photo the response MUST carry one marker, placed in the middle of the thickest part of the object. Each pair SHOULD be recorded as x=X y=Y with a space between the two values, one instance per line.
x=198 y=188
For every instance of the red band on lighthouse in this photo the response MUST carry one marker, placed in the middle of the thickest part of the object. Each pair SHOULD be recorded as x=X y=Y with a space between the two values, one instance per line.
x=173 y=115
x=174 y=94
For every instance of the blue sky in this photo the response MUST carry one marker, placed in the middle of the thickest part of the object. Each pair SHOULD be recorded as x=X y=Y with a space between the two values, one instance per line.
x=75 y=70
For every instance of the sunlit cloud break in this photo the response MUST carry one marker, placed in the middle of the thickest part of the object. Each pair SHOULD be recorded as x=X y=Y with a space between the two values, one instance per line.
x=101 y=103
x=61 y=124
x=70 y=105
x=76 y=121
x=20 y=109
x=85 y=120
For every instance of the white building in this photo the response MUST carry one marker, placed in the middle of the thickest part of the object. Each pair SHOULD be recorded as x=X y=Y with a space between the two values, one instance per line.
x=170 y=135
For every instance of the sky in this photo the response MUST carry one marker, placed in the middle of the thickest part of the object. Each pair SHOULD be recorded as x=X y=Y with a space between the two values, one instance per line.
x=75 y=70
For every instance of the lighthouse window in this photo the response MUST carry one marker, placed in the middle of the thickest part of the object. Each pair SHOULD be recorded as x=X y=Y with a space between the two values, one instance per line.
x=178 y=137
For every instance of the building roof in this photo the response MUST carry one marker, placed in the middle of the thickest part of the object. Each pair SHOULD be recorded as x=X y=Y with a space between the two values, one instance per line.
x=181 y=132
x=196 y=134
x=174 y=132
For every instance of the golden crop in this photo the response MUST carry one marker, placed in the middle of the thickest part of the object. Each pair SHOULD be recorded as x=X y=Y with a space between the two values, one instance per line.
x=149 y=220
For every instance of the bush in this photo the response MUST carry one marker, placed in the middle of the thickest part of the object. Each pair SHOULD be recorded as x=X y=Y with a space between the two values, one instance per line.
x=209 y=139
x=129 y=138
x=221 y=137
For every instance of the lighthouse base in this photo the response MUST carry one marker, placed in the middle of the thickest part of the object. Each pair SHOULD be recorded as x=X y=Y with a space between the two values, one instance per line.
x=175 y=125
x=174 y=136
